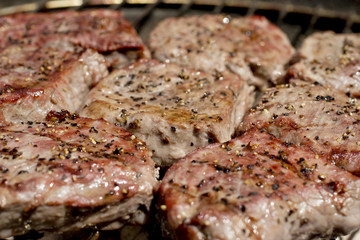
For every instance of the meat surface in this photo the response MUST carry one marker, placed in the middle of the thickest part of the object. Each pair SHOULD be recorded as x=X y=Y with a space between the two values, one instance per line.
x=35 y=80
x=173 y=109
x=304 y=113
x=330 y=59
x=49 y=61
x=101 y=30
x=70 y=173
x=251 y=47
x=257 y=187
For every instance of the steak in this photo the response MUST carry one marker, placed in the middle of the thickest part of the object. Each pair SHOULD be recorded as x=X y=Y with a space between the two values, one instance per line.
x=101 y=30
x=257 y=187
x=251 y=47
x=55 y=76
x=70 y=173
x=330 y=59
x=105 y=31
x=173 y=109
x=49 y=61
x=304 y=113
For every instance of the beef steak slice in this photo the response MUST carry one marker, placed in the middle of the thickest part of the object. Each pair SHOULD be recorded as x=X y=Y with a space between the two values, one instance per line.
x=330 y=59
x=49 y=61
x=55 y=76
x=102 y=30
x=305 y=113
x=251 y=47
x=71 y=174
x=257 y=187
x=171 y=108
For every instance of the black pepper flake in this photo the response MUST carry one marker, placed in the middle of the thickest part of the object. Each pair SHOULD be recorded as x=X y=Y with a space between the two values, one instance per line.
x=117 y=151
x=128 y=83
x=92 y=129
x=243 y=208
x=204 y=195
x=217 y=188
x=225 y=201
x=173 y=129
x=301 y=160
x=165 y=141
x=22 y=172
x=201 y=183
x=221 y=168
x=275 y=186
x=136 y=99
x=325 y=98
x=108 y=145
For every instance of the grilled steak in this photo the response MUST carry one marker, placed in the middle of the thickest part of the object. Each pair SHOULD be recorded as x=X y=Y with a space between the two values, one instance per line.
x=106 y=31
x=72 y=174
x=35 y=80
x=251 y=47
x=257 y=187
x=173 y=109
x=49 y=61
x=102 y=30
x=324 y=119
x=330 y=59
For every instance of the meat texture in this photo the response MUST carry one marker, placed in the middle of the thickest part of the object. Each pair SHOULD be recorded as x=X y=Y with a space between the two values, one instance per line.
x=72 y=174
x=101 y=30
x=257 y=187
x=173 y=109
x=304 y=113
x=251 y=47
x=35 y=80
x=106 y=31
x=49 y=61
x=330 y=59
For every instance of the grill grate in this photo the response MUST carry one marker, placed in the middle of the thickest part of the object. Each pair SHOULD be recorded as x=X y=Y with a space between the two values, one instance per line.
x=296 y=18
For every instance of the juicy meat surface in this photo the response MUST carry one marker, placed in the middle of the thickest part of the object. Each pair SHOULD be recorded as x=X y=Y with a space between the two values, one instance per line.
x=173 y=109
x=330 y=59
x=304 y=113
x=251 y=47
x=257 y=187
x=49 y=61
x=72 y=174
x=55 y=76
x=101 y=30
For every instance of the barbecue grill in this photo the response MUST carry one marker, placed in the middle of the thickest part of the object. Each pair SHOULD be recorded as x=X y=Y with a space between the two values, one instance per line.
x=297 y=18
